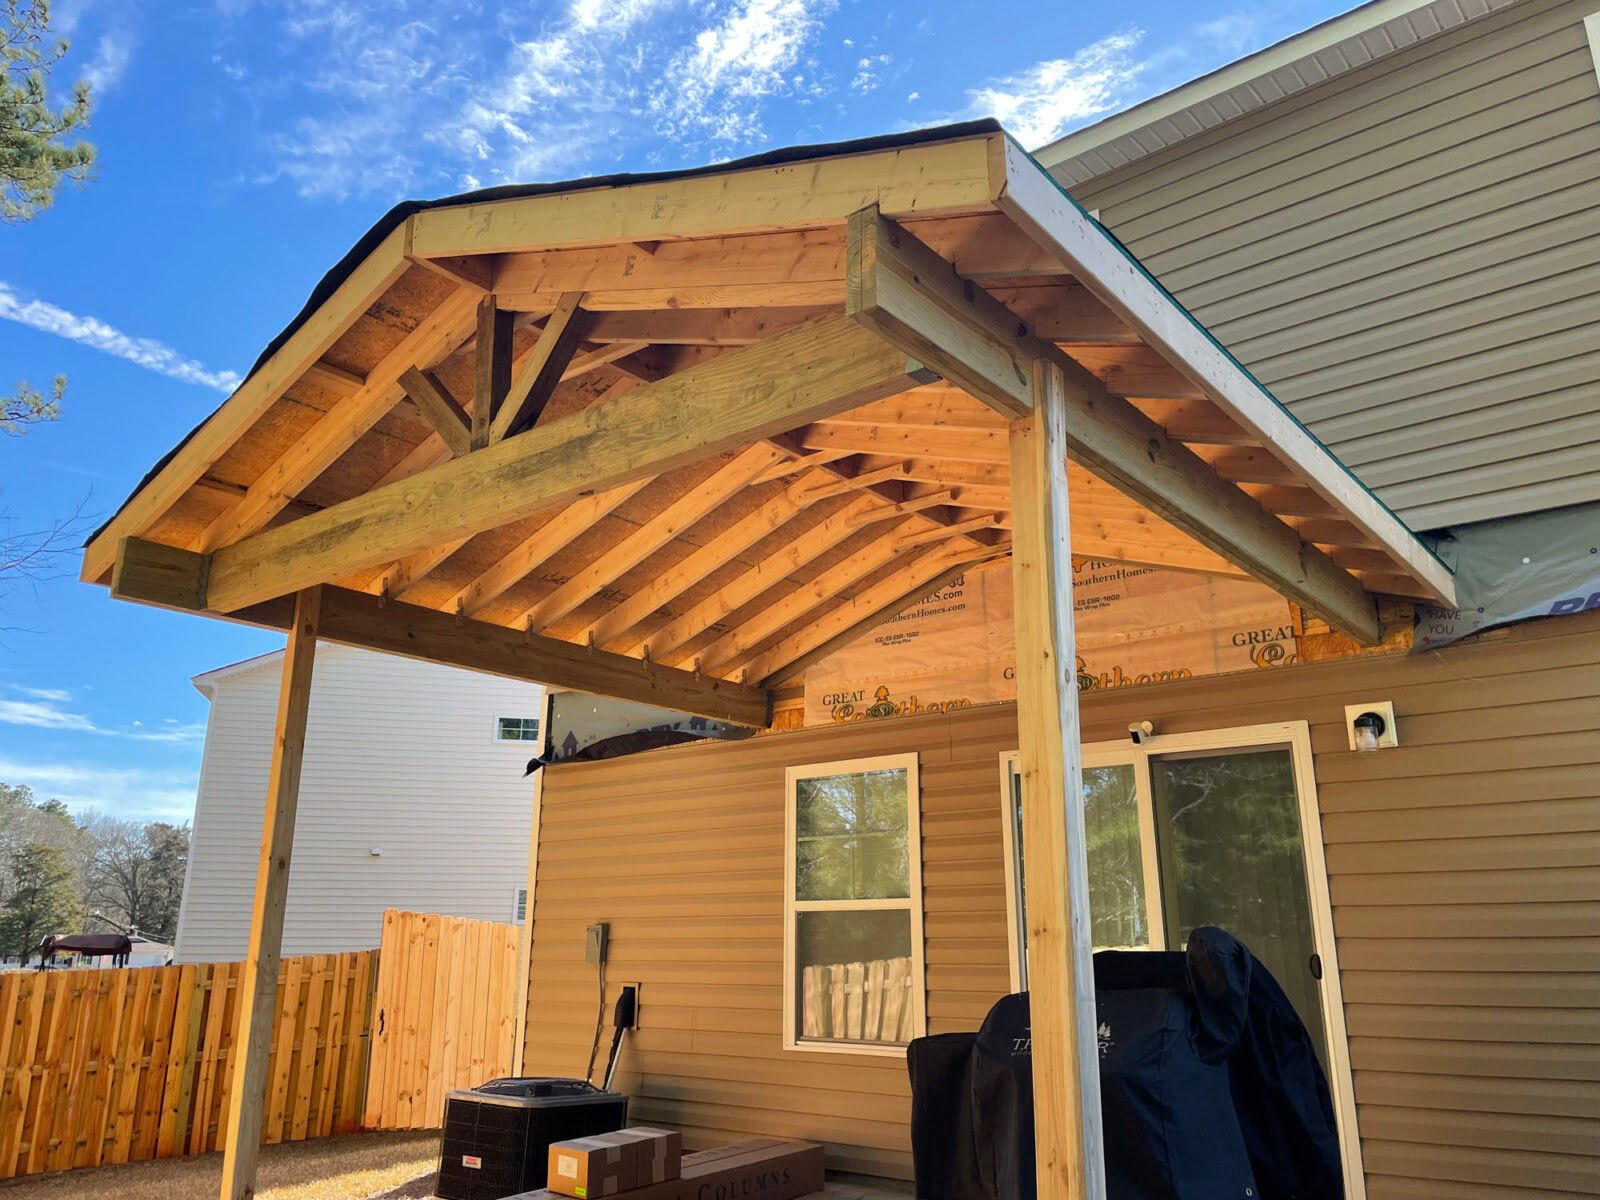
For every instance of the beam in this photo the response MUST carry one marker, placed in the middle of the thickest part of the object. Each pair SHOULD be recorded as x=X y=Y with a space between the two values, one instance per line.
x=258 y=980
x=357 y=619
x=1068 y=1151
x=1042 y=209
x=439 y=408
x=538 y=377
x=491 y=366
x=250 y=401
x=935 y=179
x=742 y=396
x=918 y=302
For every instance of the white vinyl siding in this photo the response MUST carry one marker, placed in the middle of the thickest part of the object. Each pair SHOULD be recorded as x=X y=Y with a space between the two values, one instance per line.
x=396 y=762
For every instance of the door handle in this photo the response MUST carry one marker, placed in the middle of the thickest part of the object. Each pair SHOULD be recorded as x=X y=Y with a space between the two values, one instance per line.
x=1316 y=966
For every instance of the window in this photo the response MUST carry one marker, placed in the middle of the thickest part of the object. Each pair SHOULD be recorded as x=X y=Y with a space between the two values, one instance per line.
x=516 y=729
x=853 y=978
x=1215 y=828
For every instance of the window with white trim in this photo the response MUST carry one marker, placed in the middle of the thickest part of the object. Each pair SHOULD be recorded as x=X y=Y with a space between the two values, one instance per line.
x=854 y=975
x=516 y=729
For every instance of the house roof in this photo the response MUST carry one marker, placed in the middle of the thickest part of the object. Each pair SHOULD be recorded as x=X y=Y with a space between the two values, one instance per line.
x=1358 y=37
x=613 y=493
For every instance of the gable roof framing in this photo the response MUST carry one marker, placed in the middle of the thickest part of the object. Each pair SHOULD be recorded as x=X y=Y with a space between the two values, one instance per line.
x=713 y=425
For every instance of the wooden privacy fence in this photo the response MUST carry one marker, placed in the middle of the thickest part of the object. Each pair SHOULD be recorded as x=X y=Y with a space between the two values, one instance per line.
x=859 y=1000
x=111 y=1066
x=444 y=1015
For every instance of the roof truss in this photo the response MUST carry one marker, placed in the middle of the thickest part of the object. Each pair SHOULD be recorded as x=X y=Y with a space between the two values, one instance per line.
x=718 y=425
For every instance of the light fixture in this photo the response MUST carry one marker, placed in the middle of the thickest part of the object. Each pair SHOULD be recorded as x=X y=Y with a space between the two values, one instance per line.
x=1370 y=726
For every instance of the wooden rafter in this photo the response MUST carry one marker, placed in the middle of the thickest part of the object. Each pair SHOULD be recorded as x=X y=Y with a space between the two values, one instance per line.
x=730 y=650
x=720 y=550
x=672 y=521
x=439 y=333
x=665 y=644
x=250 y=401
x=527 y=555
x=913 y=573
x=825 y=366
x=434 y=401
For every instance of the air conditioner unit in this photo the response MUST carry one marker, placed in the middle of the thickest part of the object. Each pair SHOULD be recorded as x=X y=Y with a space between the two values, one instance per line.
x=497 y=1136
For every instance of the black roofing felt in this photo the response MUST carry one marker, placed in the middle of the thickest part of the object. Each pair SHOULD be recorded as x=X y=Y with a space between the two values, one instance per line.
x=512 y=191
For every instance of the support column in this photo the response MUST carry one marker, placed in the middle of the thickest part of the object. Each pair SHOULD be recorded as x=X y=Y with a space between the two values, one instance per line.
x=258 y=983
x=1066 y=1071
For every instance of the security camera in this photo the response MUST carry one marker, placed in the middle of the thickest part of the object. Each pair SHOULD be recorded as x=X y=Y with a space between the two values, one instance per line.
x=1139 y=730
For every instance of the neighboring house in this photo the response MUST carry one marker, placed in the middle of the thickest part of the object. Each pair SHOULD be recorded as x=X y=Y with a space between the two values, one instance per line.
x=1396 y=230
x=412 y=796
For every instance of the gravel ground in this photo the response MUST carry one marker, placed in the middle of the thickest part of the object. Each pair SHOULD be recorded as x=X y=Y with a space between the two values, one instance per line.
x=354 y=1167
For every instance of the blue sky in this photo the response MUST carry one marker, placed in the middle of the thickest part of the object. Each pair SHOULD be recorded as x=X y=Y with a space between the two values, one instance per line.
x=245 y=144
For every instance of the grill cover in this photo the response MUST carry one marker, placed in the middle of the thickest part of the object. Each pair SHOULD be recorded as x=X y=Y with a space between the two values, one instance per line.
x=1210 y=1088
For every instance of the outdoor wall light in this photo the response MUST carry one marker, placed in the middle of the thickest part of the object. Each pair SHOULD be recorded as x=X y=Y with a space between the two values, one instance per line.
x=1370 y=726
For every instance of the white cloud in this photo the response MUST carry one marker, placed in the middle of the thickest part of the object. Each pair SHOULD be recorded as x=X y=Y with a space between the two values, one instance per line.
x=1041 y=103
x=112 y=54
x=749 y=53
x=119 y=791
x=91 y=331
x=46 y=708
x=866 y=78
x=46 y=714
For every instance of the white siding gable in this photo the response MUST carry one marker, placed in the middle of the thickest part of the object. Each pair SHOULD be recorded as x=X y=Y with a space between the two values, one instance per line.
x=401 y=758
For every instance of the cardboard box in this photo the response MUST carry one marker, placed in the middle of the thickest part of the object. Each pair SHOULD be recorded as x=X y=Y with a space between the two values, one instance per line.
x=660 y=1154
x=590 y=1167
x=768 y=1168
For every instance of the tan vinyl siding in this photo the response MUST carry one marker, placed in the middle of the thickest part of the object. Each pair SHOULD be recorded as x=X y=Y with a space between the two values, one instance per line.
x=1405 y=256
x=1464 y=867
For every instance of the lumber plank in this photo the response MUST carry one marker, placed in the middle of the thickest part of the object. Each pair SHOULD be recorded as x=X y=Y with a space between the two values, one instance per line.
x=259 y=978
x=720 y=550
x=537 y=378
x=491 y=366
x=728 y=651
x=742 y=396
x=364 y=286
x=937 y=179
x=673 y=520
x=1066 y=1080
x=434 y=401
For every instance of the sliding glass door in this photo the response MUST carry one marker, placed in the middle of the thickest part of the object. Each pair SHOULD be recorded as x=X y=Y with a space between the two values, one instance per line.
x=1217 y=828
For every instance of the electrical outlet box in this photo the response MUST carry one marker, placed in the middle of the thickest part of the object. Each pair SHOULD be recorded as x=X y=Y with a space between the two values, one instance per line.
x=638 y=1003
x=595 y=943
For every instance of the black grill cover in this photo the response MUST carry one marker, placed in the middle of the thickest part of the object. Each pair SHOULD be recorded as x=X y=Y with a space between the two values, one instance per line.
x=942 y=1151
x=1279 y=1090
x=1210 y=1088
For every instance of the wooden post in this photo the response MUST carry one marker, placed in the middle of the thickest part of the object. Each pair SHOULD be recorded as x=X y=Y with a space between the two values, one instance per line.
x=258 y=984
x=1066 y=1061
